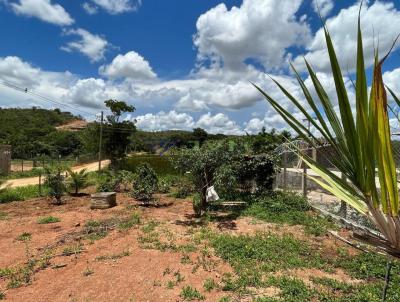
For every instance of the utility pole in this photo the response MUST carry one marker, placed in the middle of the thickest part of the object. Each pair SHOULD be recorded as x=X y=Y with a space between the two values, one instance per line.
x=100 y=139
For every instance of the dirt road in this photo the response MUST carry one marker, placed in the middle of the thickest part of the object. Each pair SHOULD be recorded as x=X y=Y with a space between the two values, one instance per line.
x=21 y=182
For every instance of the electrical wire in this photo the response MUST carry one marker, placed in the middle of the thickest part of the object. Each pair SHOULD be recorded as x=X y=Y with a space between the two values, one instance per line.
x=15 y=86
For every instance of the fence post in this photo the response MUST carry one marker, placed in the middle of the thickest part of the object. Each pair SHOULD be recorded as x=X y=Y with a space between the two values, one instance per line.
x=343 y=205
x=22 y=165
x=304 y=180
x=40 y=183
x=284 y=171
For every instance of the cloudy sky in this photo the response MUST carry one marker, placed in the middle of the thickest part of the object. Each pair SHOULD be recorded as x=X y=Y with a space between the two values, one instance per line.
x=182 y=63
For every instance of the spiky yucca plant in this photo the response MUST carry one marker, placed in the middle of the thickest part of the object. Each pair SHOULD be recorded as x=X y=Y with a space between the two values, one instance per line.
x=361 y=144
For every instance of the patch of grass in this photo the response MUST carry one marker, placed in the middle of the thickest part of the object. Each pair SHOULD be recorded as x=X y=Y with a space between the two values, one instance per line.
x=189 y=293
x=170 y=284
x=22 y=193
x=113 y=256
x=132 y=221
x=72 y=250
x=209 y=284
x=270 y=251
x=292 y=289
x=288 y=208
x=98 y=229
x=48 y=219
x=24 y=237
x=150 y=226
x=3 y=216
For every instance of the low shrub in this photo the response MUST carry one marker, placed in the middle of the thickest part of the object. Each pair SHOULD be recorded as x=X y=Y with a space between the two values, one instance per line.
x=55 y=182
x=107 y=181
x=145 y=183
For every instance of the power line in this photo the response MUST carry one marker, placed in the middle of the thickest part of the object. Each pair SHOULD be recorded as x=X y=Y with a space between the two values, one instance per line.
x=15 y=86
x=44 y=98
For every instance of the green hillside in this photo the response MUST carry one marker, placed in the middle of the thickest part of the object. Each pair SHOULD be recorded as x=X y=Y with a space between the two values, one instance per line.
x=30 y=130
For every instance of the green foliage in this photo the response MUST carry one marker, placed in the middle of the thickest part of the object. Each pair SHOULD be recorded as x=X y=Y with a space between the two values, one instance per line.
x=189 y=293
x=209 y=284
x=133 y=220
x=200 y=135
x=287 y=208
x=107 y=181
x=55 y=182
x=184 y=189
x=48 y=219
x=125 y=179
x=77 y=180
x=145 y=183
x=269 y=251
x=24 y=237
x=22 y=193
x=265 y=142
x=31 y=131
x=164 y=186
x=197 y=204
x=161 y=164
x=225 y=165
x=116 y=134
x=359 y=135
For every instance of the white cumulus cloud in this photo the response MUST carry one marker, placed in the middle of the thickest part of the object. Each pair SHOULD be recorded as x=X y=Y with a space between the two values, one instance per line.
x=131 y=65
x=257 y=30
x=91 y=45
x=380 y=21
x=44 y=10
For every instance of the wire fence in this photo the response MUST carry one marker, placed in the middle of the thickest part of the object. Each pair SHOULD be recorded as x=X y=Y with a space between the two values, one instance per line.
x=294 y=175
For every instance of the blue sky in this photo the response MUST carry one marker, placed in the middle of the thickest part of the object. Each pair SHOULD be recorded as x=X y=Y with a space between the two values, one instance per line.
x=182 y=63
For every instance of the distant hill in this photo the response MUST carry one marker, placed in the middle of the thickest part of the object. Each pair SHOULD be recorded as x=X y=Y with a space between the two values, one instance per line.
x=23 y=127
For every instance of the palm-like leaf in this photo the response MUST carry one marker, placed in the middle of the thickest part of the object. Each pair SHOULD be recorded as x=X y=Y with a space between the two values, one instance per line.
x=78 y=179
x=361 y=144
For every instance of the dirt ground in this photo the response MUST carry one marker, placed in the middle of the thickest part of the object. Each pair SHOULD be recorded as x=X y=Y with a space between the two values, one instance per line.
x=134 y=273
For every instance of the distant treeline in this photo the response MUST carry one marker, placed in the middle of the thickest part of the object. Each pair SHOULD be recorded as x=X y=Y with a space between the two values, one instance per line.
x=32 y=133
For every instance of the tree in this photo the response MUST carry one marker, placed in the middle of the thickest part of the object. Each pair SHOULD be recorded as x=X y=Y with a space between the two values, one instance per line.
x=116 y=133
x=200 y=135
x=77 y=180
x=361 y=144
x=221 y=163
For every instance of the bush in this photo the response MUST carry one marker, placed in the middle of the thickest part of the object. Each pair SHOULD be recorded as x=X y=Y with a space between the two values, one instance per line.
x=55 y=182
x=145 y=183
x=107 y=181
x=125 y=179
x=184 y=190
x=164 y=186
